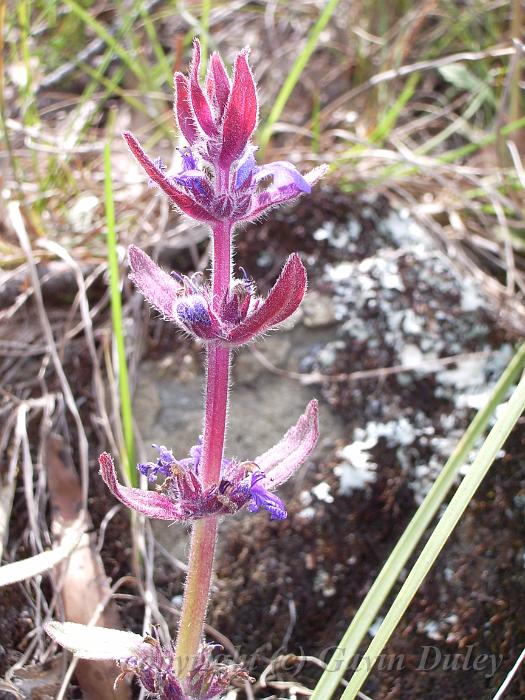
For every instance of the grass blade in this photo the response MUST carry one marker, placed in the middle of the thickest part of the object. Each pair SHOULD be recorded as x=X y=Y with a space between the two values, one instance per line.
x=415 y=530
x=109 y=39
x=126 y=410
x=300 y=63
x=437 y=540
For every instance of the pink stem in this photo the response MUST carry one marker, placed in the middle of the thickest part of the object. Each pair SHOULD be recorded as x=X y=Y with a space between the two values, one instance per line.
x=204 y=532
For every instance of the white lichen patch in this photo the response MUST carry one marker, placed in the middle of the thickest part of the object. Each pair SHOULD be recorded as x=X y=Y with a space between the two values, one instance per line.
x=322 y=492
x=403 y=304
x=356 y=469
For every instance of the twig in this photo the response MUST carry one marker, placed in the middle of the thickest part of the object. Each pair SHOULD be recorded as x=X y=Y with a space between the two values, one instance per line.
x=430 y=366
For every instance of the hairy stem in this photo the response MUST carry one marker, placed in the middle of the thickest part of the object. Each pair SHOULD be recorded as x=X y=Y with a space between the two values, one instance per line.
x=204 y=532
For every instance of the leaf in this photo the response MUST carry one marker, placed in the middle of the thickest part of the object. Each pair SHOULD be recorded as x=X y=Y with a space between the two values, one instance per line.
x=25 y=568
x=458 y=75
x=100 y=643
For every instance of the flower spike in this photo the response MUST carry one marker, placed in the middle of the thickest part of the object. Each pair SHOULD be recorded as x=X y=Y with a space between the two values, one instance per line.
x=223 y=183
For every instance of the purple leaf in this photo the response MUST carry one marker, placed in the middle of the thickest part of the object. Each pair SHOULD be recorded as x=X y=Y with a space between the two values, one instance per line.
x=183 y=113
x=186 y=203
x=240 y=117
x=294 y=448
x=158 y=287
x=199 y=101
x=283 y=299
x=149 y=503
x=218 y=83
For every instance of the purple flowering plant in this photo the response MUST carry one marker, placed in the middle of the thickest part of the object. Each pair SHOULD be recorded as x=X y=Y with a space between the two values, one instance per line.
x=218 y=182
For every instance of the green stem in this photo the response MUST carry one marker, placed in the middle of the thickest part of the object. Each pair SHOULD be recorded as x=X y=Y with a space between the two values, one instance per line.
x=196 y=593
x=126 y=411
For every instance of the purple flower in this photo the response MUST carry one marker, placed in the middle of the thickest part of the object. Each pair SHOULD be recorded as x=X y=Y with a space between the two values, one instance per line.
x=182 y=496
x=241 y=314
x=155 y=667
x=163 y=465
x=262 y=498
x=219 y=178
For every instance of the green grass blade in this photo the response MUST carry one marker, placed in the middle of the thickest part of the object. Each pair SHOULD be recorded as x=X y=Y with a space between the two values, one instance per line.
x=294 y=75
x=387 y=123
x=126 y=410
x=109 y=39
x=437 y=540
x=204 y=35
x=160 y=54
x=415 y=530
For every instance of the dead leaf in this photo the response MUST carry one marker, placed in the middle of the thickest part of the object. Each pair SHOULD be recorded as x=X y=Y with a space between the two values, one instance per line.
x=82 y=580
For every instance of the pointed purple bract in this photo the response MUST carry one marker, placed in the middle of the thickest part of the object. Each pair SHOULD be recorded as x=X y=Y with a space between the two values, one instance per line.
x=240 y=117
x=218 y=84
x=283 y=459
x=181 y=198
x=157 y=286
x=148 y=503
x=283 y=299
x=199 y=101
x=183 y=112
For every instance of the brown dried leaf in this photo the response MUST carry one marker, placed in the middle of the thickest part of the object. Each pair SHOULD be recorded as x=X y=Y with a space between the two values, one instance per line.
x=83 y=583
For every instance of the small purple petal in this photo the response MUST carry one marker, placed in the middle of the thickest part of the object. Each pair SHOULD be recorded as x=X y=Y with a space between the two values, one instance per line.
x=149 y=470
x=166 y=460
x=284 y=174
x=261 y=498
x=274 y=196
x=196 y=455
x=183 y=112
x=189 y=162
x=193 y=310
x=247 y=167
x=164 y=464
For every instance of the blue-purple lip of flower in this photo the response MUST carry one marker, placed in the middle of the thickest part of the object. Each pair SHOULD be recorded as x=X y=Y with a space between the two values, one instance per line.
x=248 y=282
x=189 y=176
x=164 y=464
x=193 y=311
x=261 y=498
